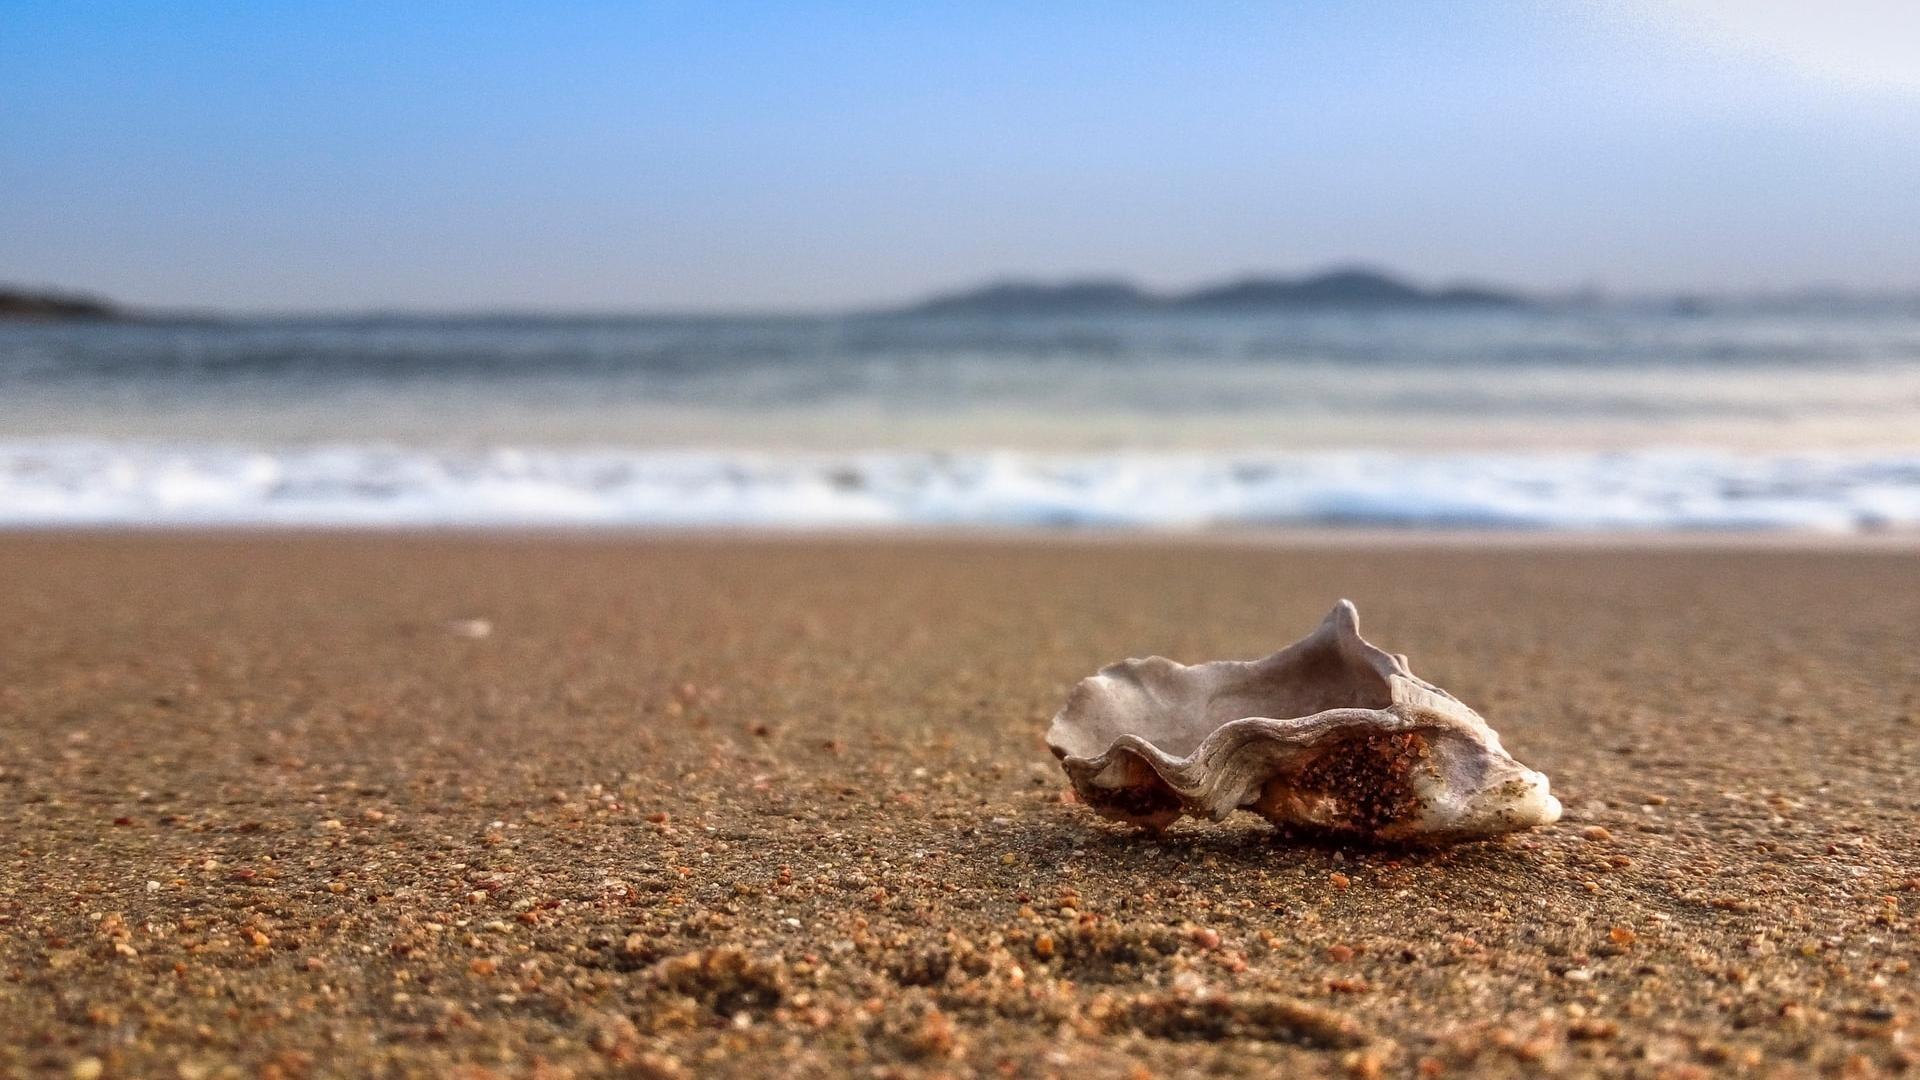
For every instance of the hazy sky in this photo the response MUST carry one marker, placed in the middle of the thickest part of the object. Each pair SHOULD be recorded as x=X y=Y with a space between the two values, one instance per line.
x=719 y=154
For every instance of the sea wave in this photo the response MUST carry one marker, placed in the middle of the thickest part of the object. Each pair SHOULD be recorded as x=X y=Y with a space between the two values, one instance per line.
x=91 y=482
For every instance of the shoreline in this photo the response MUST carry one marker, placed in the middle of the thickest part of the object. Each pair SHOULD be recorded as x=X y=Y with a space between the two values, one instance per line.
x=90 y=482
x=1229 y=537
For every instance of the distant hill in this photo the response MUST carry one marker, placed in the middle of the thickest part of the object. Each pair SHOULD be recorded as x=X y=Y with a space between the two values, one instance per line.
x=1337 y=288
x=25 y=304
x=1033 y=298
x=1346 y=288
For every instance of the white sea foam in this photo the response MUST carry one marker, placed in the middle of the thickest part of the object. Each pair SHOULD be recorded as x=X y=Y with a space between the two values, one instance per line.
x=51 y=483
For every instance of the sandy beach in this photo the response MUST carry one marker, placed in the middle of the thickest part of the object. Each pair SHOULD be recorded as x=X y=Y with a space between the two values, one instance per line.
x=383 y=805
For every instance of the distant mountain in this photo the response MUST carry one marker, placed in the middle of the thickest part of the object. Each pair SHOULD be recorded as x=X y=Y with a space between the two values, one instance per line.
x=1338 y=288
x=1033 y=298
x=1347 y=288
x=25 y=304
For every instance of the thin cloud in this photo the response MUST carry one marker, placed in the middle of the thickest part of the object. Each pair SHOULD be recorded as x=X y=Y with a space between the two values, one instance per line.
x=1862 y=44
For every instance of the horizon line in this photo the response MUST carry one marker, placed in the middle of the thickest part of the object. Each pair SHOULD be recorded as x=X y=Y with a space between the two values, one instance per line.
x=1582 y=295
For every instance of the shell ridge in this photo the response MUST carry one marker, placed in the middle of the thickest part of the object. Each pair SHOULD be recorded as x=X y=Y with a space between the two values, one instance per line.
x=1222 y=758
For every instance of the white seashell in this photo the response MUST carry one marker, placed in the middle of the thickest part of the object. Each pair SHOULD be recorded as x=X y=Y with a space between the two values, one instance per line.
x=1329 y=735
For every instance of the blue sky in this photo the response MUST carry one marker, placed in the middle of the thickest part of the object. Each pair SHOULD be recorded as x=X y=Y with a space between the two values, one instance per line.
x=741 y=155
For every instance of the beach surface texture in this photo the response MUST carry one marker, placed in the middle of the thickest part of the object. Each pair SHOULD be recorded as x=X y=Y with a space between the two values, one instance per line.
x=286 y=805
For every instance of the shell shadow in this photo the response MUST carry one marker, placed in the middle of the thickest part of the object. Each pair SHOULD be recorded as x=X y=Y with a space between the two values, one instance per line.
x=1083 y=839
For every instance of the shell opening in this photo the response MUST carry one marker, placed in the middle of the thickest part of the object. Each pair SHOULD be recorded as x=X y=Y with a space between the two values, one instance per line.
x=1359 y=786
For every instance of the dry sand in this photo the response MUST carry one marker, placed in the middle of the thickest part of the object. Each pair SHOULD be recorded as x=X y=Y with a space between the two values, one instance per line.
x=781 y=807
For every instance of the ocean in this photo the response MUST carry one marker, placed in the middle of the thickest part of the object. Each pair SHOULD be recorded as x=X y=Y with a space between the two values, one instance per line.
x=1577 y=418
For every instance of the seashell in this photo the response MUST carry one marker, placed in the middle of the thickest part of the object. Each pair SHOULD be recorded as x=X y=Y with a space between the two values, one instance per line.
x=1330 y=735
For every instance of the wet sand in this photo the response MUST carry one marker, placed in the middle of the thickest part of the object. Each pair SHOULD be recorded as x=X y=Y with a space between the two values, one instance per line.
x=284 y=805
